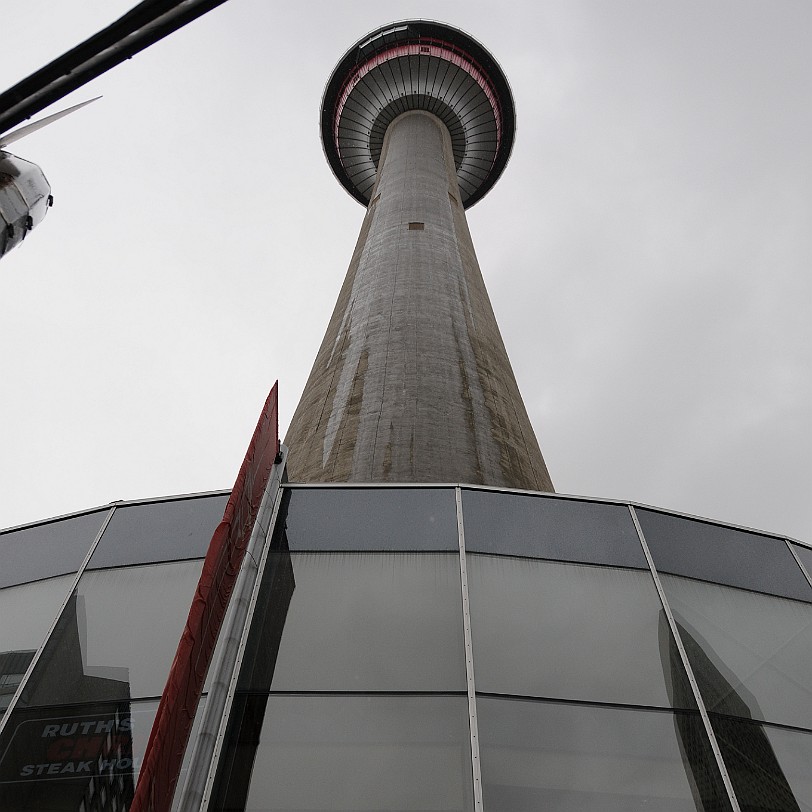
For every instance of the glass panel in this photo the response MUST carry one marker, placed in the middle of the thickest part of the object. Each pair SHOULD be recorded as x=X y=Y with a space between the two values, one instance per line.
x=570 y=631
x=45 y=550
x=84 y=757
x=768 y=766
x=358 y=622
x=794 y=753
x=544 y=527
x=723 y=555
x=370 y=519
x=751 y=653
x=13 y=665
x=159 y=531
x=27 y=612
x=117 y=637
x=538 y=756
x=346 y=753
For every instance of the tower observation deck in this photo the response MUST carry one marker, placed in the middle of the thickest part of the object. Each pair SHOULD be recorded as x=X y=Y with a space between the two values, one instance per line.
x=412 y=382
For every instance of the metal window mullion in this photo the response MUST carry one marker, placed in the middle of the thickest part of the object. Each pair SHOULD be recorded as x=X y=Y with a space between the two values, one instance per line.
x=672 y=624
x=232 y=686
x=79 y=573
x=798 y=561
x=469 y=660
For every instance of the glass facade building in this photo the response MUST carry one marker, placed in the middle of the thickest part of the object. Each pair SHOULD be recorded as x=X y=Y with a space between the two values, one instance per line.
x=332 y=645
x=415 y=648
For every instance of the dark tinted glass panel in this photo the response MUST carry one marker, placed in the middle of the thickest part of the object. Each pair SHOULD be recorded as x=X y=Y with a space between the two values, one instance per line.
x=723 y=555
x=768 y=767
x=540 y=527
x=117 y=637
x=13 y=665
x=159 y=531
x=575 y=758
x=358 y=622
x=347 y=753
x=370 y=519
x=26 y=613
x=86 y=757
x=571 y=631
x=751 y=653
x=45 y=550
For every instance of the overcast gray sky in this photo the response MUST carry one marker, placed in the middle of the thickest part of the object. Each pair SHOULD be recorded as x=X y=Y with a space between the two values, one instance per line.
x=647 y=250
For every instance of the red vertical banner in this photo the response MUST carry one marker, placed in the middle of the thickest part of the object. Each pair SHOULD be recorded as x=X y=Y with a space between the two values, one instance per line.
x=176 y=711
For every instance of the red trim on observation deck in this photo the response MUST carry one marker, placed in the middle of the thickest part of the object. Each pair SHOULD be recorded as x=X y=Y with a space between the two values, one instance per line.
x=437 y=48
x=176 y=711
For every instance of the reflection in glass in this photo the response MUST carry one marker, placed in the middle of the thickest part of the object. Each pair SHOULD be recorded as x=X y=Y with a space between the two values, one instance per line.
x=349 y=753
x=117 y=636
x=723 y=555
x=247 y=714
x=159 y=531
x=370 y=519
x=793 y=750
x=751 y=653
x=46 y=550
x=13 y=665
x=549 y=527
x=371 y=622
x=754 y=769
x=570 y=631
x=577 y=758
x=29 y=610
x=82 y=757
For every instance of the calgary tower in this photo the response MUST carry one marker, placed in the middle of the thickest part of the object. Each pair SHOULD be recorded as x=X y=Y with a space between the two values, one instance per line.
x=412 y=382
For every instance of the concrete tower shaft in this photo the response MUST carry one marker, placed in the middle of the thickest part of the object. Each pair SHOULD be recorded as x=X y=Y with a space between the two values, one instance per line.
x=412 y=382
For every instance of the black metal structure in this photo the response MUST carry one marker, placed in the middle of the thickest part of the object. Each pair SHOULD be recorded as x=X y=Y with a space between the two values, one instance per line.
x=145 y=24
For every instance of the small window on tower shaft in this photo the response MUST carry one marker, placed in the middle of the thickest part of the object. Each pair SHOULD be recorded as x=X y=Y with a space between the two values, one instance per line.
x=416 y=226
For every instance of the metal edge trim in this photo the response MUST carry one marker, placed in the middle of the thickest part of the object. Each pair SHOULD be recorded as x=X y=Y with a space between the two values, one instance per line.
x=473 y=723
x=232 y=686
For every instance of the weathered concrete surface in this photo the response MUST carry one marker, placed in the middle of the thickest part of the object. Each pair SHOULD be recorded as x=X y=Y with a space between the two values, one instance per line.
x=412 y=382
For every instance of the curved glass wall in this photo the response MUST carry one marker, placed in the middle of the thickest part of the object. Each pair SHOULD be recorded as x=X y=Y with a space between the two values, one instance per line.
x=517 y=653
x=421 y=647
